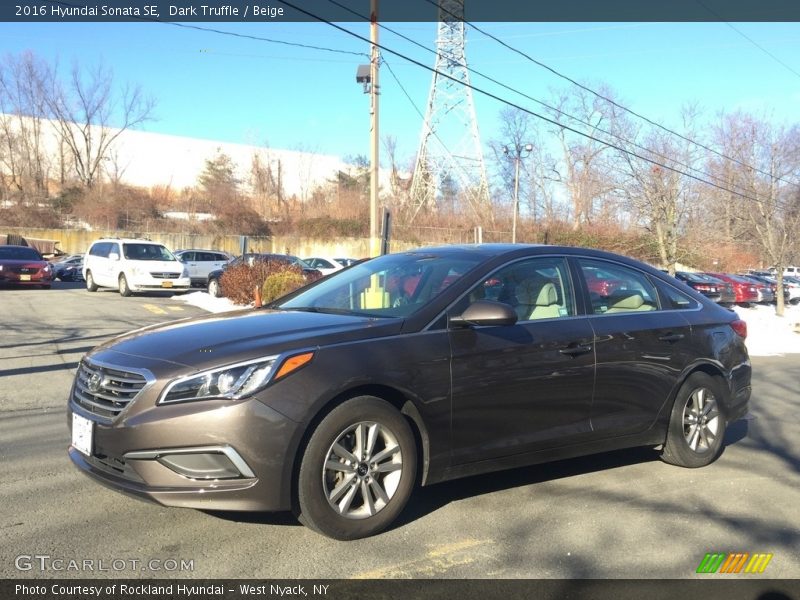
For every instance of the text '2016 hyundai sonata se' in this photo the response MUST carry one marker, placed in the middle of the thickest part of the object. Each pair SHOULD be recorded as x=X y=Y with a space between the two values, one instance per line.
x=410 y=369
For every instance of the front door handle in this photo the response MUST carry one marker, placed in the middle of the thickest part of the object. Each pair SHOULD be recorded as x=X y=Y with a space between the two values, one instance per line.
x=576 y=349
x=671 y=337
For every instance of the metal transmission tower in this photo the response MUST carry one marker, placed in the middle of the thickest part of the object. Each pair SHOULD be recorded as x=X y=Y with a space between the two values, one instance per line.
x=450 y=158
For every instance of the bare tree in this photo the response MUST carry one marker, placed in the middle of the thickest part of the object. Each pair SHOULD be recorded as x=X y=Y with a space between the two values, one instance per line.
x=583 y=168
x=764 y=173
x=91 y=115
x=23 y=127
x=662 y=196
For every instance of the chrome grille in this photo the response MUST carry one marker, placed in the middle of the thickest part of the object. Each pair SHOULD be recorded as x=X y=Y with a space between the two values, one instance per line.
x=160 y=275
x=104 y=391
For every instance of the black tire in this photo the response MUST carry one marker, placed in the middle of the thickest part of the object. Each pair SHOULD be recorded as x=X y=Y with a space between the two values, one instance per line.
x=214 y=289
x=124 y=288
x=377 y=491
x=697 y=423
x=91 y=286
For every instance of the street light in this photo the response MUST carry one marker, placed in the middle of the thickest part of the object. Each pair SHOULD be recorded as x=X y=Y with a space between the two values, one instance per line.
x=517 y=152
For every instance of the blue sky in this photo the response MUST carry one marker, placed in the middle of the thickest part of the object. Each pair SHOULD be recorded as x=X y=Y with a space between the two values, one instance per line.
x=221 y=87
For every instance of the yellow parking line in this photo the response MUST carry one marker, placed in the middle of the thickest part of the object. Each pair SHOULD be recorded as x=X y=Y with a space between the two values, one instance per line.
x=436 y=562
x=156 y=310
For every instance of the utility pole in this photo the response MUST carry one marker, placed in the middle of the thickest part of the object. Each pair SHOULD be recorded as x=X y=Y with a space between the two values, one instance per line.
x=516 y=152
x=374 y=239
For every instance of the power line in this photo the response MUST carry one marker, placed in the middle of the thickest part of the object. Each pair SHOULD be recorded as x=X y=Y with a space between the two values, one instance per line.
x=540 y=102
x=228 y=33
x=262 y=39
x=599 y=95
x=751 y=40
x=512 y=104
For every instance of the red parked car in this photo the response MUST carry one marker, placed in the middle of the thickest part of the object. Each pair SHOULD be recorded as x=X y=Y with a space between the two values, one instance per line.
x=22 y=265
x=745 y=291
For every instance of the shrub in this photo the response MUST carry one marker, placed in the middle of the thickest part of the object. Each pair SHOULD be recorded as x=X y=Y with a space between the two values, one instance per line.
x=281 y=283
x=275 y=279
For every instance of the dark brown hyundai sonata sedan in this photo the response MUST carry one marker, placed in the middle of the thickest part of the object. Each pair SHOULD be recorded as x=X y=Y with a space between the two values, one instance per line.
x=405 y=370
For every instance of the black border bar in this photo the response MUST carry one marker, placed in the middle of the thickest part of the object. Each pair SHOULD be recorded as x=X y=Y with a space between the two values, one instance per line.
x=259 y=11
x=702 y=588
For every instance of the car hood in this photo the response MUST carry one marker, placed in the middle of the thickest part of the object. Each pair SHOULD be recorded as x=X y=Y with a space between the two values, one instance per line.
x=217 y=340
x=9 y=262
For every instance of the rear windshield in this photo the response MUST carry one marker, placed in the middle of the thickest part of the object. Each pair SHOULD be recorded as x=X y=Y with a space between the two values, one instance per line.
x=19 y=253
x=146 y=252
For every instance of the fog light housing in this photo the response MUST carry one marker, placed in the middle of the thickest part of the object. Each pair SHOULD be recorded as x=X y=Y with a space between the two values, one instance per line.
x=214 y=462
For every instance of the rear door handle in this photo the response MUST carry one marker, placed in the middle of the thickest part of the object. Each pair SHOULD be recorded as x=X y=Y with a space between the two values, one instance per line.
x=671 y=337
x=576 y=349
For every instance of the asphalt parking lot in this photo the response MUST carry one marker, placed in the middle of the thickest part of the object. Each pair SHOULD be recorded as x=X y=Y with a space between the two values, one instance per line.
x=618 y=515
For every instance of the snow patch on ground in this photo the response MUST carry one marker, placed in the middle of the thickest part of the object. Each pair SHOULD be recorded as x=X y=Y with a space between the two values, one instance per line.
x=208 y=302
x=767 y=333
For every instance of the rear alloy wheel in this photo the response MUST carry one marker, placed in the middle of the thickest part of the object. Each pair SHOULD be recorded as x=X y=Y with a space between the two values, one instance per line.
x=697 y=424
x=358 y=470
x=213 y=288
x=124 y=288
x=91 y=286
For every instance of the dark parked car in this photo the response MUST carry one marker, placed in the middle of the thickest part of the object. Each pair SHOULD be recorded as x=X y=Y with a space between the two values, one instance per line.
x=69 y=268
x=23 y=265
x=309 y=273
x=339 y=398
x=697 y=282
x=726 y=291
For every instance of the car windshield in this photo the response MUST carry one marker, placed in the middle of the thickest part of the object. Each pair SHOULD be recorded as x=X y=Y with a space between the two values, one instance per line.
x=18 y=253
x=395 y=285
x=146 y=252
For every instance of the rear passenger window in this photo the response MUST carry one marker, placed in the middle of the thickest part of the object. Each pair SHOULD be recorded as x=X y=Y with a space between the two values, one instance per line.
x=675 y=299
x=615 y=288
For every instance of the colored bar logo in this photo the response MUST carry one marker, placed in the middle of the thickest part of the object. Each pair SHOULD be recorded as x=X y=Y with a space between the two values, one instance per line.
x=733 y=563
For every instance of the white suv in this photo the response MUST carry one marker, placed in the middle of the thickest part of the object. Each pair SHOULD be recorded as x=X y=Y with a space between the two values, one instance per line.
x=133 y=266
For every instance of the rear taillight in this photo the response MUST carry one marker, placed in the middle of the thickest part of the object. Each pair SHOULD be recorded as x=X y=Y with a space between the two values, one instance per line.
x=740 y=327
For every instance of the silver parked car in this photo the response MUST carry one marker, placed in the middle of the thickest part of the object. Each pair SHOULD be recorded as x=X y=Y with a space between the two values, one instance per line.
x=201 y=262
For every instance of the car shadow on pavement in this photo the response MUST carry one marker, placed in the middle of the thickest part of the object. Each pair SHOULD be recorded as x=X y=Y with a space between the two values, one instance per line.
x=257 y=518
x=430 y=499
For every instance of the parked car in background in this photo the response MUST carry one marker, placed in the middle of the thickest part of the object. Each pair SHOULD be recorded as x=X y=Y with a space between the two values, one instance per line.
x=772 y=283
x=727 y=294
x=23 y=265
x=709 y=289
x=324 y=265
x=346 y=262
x=65 y=262
x=133 y=265
x=250 y=258
x=745 y=292
x=766 y=291
x=202 y=262
x=330 y=400
x=793 y=285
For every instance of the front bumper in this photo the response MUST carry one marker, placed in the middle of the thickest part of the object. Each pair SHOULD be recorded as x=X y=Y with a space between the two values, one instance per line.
x=211 y=455
x=147 y=283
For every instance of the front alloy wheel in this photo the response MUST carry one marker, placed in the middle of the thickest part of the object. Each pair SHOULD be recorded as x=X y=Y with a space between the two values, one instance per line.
x=362 y=470
x=358 y=470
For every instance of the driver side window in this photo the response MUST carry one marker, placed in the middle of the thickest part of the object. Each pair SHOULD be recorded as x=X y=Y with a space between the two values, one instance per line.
x=536 y=288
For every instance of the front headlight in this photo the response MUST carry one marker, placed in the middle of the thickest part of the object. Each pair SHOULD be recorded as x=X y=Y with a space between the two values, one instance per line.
x=231 y=382
x=234 y=381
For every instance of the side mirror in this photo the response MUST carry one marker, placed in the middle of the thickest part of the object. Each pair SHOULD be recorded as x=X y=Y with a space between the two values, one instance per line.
x=113 y=256
x=486 y=312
